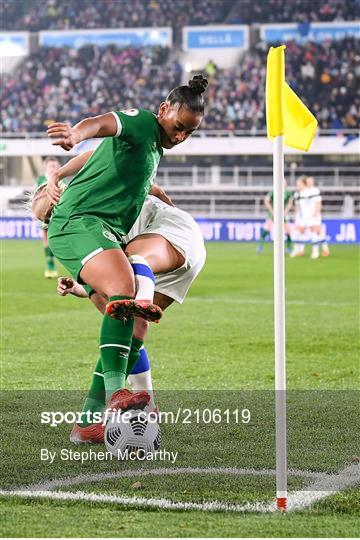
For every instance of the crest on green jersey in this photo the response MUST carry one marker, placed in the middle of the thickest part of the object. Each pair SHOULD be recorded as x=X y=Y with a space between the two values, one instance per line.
x=131 y=112
x=110 y=236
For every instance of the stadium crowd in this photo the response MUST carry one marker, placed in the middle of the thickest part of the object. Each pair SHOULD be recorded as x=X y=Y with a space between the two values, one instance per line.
x=37 y=15
x=69 y=84
x=296 y=11
x=54 y=15
x=326 y=76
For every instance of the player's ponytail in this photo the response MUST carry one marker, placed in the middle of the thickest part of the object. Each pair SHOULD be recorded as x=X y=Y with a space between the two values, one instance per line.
x=190 y=95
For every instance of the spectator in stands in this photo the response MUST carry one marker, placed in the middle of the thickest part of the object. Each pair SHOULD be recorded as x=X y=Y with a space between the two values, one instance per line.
x=66 y=14
x=279 y=11
x=67 y=84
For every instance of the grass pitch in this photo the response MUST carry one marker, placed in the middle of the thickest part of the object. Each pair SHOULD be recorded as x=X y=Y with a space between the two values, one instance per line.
x=218 y=342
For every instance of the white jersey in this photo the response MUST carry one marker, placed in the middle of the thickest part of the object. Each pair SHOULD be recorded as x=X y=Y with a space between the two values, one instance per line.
x=182 y=231
x=306 y=202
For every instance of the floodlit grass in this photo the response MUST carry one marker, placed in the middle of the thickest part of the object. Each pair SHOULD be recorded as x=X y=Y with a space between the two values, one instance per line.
x=219 y=342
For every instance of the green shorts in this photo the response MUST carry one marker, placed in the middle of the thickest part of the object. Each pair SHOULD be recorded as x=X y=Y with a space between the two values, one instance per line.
x=270 y=217
x=78 y=240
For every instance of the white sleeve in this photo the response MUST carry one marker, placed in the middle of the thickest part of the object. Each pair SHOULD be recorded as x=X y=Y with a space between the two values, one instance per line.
x=118 y=124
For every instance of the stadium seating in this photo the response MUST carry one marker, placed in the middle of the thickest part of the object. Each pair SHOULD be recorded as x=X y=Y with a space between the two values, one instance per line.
x=325 y=75
x=50 y=15
x=278 y=11
x=68 y=84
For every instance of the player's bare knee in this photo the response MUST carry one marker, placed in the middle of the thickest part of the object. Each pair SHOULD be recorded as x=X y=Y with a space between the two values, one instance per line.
x=120 y=287
x=141 y=328
x=99 y=302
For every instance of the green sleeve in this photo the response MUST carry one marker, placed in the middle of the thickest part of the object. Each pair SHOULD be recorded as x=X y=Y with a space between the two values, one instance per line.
x=287 y=197
x=40 y=180
x=136 y=125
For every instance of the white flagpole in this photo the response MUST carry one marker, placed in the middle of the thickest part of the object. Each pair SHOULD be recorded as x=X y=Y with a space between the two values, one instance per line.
x=279 y=318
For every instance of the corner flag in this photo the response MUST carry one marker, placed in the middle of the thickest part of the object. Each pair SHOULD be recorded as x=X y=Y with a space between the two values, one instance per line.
x=285 y=112
x=290 y=122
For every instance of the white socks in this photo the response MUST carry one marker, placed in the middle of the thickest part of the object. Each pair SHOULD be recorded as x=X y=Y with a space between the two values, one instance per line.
x=144 y=278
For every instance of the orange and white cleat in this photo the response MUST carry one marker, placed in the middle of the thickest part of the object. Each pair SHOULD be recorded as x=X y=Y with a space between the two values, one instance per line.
x=147 y=310
x=92 y=434
x=130 y=309
x=124 y=399
x=297 y=254
x=325 y=252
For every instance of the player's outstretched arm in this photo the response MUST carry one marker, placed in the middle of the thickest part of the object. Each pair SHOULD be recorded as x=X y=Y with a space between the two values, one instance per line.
x=98 y=126
x=158 y=192
x=69 y=169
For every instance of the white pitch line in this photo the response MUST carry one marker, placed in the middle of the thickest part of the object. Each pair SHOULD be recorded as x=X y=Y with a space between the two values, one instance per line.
x=161 y=471
x=324 y=486
x=139 y=502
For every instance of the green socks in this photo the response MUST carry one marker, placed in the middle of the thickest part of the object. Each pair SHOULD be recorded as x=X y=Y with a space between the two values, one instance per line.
x=264 y=234
x=49 y=258
x=115 y=342
x=134 y=355
x=95 y=399
x=288 y=242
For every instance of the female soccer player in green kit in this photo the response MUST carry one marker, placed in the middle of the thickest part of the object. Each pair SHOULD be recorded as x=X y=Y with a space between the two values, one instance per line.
x=51 y=164
x=100 y=206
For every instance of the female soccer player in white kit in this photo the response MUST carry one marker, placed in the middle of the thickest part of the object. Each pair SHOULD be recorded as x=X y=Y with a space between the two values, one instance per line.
x=308 y=218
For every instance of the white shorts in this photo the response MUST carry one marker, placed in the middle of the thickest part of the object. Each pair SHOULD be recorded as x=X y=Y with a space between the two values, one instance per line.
x=308 y=221
x=182 y=231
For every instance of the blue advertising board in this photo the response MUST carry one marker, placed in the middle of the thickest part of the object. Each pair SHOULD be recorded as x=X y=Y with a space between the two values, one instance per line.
x=136 y=37
x=335 y=231
x=215 y=37
x=317 y=32
x=14 y=43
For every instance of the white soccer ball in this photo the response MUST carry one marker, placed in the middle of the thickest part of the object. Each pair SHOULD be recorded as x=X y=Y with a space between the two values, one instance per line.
x=132 y=434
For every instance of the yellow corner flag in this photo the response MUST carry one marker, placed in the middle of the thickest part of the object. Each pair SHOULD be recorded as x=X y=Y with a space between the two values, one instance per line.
x=285 y=112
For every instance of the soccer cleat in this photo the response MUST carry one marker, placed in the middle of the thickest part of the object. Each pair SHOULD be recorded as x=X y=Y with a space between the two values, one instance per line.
x=92 y=434
x=325 y=252
x=260 y=249
x=297 y=254
x=129 y=309
x=50 y=274
x=147 y=310
x=124 y=399
x=314 y=256
x=120 y=309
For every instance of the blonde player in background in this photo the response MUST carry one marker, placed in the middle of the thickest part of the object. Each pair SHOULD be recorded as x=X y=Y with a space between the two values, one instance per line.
x=313 y=193
x=51 y=165
x=308 y=218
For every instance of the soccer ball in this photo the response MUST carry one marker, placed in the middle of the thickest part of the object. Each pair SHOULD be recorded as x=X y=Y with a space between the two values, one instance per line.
x=132 y=434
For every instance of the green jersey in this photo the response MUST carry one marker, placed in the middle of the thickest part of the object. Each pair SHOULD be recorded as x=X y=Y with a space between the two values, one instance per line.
x=114 y=182
x=40 y=180
x=287 y=197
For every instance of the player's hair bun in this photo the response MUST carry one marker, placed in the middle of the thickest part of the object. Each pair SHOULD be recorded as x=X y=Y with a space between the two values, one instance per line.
x=198 y=84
